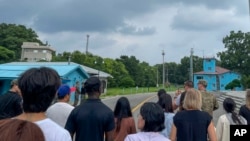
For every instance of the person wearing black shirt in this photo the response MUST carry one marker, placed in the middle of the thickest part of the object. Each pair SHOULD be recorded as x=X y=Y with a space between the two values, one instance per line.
x=245 y=109
x=91 y=120
x=83 y=93
x=192 y=124
x=11 y=102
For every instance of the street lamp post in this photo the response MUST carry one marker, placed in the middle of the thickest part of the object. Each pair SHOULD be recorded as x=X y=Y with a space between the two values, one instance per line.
x=87 y=44
x=157 y=78
x=163 y=70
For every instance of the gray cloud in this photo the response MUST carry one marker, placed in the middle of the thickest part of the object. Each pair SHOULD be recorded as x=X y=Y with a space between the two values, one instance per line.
x=133 y=30
x=200 y=19
x=86 y=15
x=172 y=25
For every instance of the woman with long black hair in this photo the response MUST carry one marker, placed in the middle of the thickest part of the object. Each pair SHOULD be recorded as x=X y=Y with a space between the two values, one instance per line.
x=165 y=101
x=230 y=118
x=124 y=120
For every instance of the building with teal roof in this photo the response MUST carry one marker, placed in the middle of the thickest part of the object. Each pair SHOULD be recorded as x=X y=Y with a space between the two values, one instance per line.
x=69 y=72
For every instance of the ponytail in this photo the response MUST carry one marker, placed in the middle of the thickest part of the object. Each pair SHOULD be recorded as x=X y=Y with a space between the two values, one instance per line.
x=236 y=118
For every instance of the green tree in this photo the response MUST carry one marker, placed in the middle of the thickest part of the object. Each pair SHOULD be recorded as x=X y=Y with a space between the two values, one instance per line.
x=12 y=37
x=245 y=81
x=127 y=82
x=184 y=68
x=233 y=84
x=134 y=69
x=6 y=55
x=237 y=53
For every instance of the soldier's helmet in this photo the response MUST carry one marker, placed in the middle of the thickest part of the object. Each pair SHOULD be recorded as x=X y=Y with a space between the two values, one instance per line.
x=203 y=82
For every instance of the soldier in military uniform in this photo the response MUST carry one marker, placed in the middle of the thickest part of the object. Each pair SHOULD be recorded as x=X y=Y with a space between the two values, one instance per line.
x=209 y=102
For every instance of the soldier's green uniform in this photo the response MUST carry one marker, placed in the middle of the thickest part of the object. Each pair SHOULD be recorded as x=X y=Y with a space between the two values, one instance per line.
x=209 y=102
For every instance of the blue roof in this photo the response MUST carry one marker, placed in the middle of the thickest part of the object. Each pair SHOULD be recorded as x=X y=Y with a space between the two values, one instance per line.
x=14 y=69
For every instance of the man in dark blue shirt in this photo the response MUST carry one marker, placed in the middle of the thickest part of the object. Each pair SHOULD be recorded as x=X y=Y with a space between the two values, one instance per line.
x=11 y=102
x=91 y=120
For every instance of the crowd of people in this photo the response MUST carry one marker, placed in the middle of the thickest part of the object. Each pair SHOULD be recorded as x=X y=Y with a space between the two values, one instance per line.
x=27 y=112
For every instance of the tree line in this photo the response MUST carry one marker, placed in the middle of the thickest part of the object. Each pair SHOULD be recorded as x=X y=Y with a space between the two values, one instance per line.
x=128 y=71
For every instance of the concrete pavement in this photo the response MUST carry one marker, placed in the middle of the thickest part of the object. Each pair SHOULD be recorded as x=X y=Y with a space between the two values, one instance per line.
x=137 y=100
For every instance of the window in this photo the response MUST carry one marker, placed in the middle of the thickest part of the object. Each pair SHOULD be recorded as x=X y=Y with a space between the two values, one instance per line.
x=213 y=85
x=209 y=68
x=44 y=51
x=222 y=76
x=222 y=85
x=199 y=77
x=35 y=51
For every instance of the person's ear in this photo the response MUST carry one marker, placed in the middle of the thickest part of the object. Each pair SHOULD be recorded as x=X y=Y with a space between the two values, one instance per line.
x=100 y=90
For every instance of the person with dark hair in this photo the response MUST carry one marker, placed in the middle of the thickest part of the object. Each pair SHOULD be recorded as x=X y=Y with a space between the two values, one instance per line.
x=230 y=118
x=165 y=102
x=83 y=93
x=124 y=120
x=192 y=124
x=209 y=102
x=38 y=88
x=178 y=101
x=159 y=93
x=77 y=93
x=20 y=130
x=59 y=112
x=91 y=120
x=11 y=102
x=150 y=122
x=245 y=109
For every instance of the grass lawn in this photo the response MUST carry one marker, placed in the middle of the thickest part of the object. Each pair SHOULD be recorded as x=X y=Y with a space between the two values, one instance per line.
x=133 y=90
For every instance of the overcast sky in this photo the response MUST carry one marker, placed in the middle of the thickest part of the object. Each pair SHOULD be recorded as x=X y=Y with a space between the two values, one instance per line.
x=142 y=28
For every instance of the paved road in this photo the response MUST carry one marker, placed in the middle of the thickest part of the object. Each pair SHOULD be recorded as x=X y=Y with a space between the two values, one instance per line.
x=137 y=100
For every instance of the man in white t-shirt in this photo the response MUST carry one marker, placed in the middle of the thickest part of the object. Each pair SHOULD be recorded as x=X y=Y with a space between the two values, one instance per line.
x=59 y=112
x=38 y=88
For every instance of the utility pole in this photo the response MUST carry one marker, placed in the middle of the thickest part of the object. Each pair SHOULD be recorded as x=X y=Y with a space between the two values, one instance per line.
x=249 y=6
x=167 y=75
x=157 y=78
x=191 y=65
x=163 y=70
x=87 y=44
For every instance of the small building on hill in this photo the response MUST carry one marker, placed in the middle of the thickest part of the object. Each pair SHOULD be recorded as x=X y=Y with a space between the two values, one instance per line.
x=33 y=52
x=217 y=77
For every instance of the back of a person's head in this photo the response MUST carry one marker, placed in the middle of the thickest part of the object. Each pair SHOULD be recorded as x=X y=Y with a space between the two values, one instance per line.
x=153 y=116
x=38 y=87
x=20 y=130
x=165 y=101
x=203 y=83
x=248 y=99
x=189 y=83
x=13 y=82
x=122 y=108
x=92 y=85
x=161 y=91
x=229 y=105
x=192 y=100
x=62 y=91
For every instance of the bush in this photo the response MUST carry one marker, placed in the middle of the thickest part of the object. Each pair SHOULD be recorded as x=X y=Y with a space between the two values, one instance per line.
x=127 y=82
x=233 y=84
